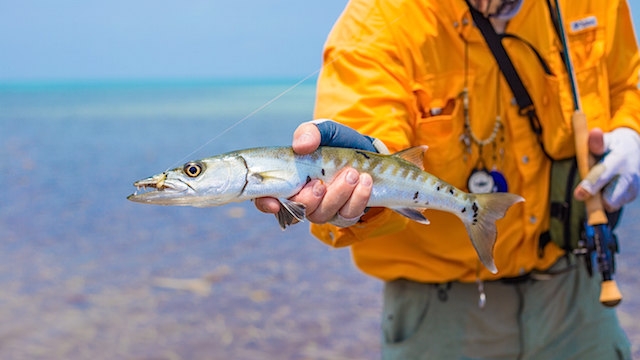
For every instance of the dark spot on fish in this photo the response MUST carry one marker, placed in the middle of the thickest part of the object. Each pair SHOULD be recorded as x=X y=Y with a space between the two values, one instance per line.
x=475 y=209
x=322 y=171
x=451 y=191
x=363 y=154
x=415 y=196
x=438 y=188
x=464 y=210
x=475 y=221
x=426 y=203
x=309 y=179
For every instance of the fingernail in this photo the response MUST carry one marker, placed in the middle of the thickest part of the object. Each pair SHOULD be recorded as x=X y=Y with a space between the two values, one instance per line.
x=305 y=137
x=581 y=194
x=319 y=189
x=366 y=180
x=352 y=177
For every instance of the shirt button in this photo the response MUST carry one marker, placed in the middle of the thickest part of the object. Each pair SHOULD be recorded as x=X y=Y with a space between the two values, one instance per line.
x=533 y=219
x=525 y=159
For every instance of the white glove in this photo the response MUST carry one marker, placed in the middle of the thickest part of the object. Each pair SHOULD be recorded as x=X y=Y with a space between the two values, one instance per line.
x=618 y=173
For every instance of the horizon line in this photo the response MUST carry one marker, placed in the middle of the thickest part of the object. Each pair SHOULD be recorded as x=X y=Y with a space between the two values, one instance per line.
x=149 y=81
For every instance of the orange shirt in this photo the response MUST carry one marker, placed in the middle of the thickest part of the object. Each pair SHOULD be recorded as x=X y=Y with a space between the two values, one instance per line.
x=395 y=69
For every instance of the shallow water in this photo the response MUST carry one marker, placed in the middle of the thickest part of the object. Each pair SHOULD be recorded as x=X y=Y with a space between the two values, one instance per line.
x=86 y=274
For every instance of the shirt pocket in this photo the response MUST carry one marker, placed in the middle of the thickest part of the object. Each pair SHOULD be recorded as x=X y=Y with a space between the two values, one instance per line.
x=440 y=117
x=586 y=45
x=554 y=111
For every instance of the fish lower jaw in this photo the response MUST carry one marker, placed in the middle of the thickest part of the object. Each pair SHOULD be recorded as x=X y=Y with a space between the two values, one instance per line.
x=143 y=190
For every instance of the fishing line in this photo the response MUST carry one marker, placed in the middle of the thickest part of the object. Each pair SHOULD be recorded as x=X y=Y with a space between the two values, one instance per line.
x=257 y=110
x=269 y=102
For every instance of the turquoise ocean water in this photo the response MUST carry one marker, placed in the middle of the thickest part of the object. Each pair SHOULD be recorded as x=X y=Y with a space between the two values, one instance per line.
x=86 y=274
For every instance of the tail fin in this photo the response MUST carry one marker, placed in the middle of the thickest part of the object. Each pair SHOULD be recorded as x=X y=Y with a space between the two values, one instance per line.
x=482 y=230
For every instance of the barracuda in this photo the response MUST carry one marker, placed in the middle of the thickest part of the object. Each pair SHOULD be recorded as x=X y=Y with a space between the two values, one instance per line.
x=399 y=183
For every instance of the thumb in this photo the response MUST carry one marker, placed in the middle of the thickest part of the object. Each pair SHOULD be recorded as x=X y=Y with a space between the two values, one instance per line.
x=596 y=148
x=306 y=138
x=596 y=142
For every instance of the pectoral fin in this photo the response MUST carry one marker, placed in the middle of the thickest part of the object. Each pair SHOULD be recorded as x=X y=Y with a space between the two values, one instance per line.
x=290 y=213
x=413 y=214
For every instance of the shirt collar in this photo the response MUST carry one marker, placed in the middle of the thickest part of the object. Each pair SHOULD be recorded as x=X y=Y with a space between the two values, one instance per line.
x=458 y=13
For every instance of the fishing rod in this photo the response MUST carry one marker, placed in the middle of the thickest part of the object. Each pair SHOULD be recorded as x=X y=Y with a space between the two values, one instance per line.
x=599 y=238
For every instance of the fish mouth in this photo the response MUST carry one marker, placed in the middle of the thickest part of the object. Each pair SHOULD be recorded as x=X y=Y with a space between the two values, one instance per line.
x=158 y=190
x=157 y=182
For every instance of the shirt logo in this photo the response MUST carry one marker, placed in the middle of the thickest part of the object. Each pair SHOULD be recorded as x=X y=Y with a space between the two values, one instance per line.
x=582 y=24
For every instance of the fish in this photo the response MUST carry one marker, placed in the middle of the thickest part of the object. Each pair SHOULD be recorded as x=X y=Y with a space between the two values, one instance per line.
x=400 y=183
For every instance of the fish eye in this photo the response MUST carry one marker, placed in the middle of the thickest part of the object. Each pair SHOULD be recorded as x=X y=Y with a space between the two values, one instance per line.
x=193 y=169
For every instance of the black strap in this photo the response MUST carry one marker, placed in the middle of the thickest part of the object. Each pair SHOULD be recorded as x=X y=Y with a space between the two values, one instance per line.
x=509 y=71
x=543 y=63
x=494 y=41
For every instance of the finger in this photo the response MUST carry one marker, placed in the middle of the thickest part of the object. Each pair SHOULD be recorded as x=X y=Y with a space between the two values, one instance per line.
x=337 y=194
x=620 y=191
x=311 y=195
x=596 y=142
x=267 y=205
x=581 y=194
x=603 y=172
x=592 y=183
x=357 y=202
x=306 y=138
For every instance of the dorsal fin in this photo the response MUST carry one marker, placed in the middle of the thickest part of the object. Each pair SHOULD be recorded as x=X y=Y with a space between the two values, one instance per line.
x=414 y=155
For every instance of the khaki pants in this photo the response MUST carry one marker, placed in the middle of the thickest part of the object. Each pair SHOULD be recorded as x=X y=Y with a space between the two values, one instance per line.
x=560 y=318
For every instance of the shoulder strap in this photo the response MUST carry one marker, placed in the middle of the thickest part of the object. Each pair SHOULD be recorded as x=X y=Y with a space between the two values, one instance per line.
x=495 y=44
x=494 y=41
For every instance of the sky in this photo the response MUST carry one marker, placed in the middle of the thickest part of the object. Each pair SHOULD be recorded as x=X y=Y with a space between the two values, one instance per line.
x=159 y=39
x=150 y=39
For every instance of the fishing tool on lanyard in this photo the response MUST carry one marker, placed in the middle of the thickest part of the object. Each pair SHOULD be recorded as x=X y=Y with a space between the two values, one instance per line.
x=481 y=179
x=600 y=241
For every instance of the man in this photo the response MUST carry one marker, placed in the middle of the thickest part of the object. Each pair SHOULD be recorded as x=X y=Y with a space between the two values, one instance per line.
x=413 y=73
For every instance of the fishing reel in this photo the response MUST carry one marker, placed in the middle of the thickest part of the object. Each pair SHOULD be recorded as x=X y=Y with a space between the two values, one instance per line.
x=598 y=244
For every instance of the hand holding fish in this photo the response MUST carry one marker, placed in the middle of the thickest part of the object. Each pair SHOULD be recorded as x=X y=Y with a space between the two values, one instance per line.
x=341 y=202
